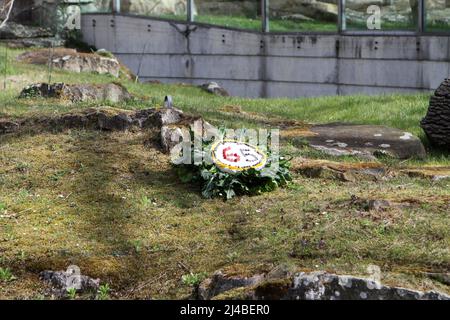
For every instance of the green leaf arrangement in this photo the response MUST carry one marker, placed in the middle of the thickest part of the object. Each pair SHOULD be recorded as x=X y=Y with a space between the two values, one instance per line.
x=217 y=183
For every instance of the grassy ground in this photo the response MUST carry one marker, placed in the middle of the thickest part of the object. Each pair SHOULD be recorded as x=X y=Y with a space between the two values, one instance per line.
x=110 y=203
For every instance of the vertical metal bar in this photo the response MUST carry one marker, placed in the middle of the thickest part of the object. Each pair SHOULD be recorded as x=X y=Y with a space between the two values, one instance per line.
x=116 y=6
x=265 y=15
x=5 y=70
x=341 y=16
x=421 y=16
x=190 y=11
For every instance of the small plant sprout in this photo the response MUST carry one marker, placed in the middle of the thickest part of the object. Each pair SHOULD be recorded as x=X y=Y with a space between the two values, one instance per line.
x=145 y=201
x=72 y=293
x=232 y=256
x=6 y=275
x=137 y=245
x=103 y=292
x=193 y=279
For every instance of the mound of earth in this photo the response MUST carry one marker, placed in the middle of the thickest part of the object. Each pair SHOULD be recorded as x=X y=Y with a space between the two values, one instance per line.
x=365 y=140
x=318 y=285
x=113 y=92
x=436 y=123
x=71 y=60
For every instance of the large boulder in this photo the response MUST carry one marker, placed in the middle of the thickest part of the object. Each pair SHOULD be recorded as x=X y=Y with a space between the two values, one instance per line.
x=215 y=88
x=317 y=10
x=103 y=118
x=318 y=285
x=436 y=123
x=113 y=92
x=71 y=60
x=153 y=7
x=62 y=281
x=14 y=30
x=367 y=141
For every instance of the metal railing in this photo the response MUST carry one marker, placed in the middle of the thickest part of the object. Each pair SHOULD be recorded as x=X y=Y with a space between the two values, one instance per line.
x=341 y=27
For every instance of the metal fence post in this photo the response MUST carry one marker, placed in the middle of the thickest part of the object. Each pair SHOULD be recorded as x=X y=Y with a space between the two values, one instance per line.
x=341 y=16
x=421 y=16
x=190 y=10
x=116 y=6
x=265 y=15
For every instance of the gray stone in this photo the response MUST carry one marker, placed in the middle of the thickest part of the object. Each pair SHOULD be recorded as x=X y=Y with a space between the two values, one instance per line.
x=14 y=30
x=221 y=282
x=436 y=123
x=71 y=60
x=8 y=126
x=325 y=286
x=113 y=92
x=35 y=42
x=365 y=141
x=120 y=122
x=378 y=205
x=214 y=88
x=318 y=285
x=62 y=281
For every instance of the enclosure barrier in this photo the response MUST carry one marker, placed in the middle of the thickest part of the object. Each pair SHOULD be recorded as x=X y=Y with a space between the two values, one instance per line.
x=276 y=59
x=418 y=24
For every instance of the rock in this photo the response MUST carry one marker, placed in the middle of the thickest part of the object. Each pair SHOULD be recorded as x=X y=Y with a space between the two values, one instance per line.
x=168 y=135
x=62 y=281
x=378 y=205
x=436 y=123
x=325 y=286
x=434 y=173
x=104 y=118
x=71 y=60
x=35 y=42
x=171 y=133
x=120 y=122
x=363 y=4
x=307 y=286
x=155 y=7
x=113 y=92
x=221 y=282
x=14 y=30
x=440 y=277
x=8 y=126
x=166 y=116
x=233 y=8
x=214 y=88
x=317 y=10
x=366 y=141
x=297 y=17
x=344 y=171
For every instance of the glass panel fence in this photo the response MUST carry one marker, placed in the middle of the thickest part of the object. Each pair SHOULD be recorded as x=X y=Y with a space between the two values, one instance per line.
x=437 y=15
x=381 y=15
x=303 y=15
x=242 y=14
x=173 y=9
x=101 y=6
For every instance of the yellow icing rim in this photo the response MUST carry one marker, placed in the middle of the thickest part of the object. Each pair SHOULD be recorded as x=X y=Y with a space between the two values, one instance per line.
x=222 y=165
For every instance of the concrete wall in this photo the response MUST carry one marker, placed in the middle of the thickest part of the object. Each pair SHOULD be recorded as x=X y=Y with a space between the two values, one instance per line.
x=253 y=64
